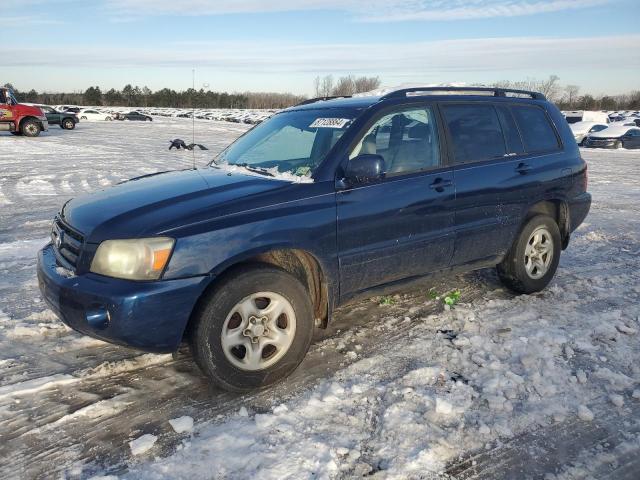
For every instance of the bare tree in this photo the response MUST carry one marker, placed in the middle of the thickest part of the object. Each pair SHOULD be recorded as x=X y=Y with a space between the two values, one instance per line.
x=326 y=86
x=571 y=92
x=366 y=84
x=550 y=87
x=346 y=86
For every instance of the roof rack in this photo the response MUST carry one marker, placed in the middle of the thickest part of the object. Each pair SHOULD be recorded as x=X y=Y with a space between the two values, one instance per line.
x=320 y=99
x=497 y=92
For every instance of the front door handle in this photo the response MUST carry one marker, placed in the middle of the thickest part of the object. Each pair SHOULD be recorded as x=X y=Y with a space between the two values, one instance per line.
x=440 y=184
x=523 y=168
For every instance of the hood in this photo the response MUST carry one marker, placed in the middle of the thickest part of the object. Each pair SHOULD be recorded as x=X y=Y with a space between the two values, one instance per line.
x=611 y=132
x=150 y=205
x=31 y=110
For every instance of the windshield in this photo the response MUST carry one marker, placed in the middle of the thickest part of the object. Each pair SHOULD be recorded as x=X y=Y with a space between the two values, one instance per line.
x=293 y=142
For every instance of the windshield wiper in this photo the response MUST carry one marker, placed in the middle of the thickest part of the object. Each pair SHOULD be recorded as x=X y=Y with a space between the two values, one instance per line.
x=261 y=171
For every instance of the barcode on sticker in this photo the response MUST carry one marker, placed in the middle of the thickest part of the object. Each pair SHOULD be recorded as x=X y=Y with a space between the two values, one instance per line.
x=329 y=123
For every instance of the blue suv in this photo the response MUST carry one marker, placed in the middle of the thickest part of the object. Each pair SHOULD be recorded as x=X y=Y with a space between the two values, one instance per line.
x=326 y=201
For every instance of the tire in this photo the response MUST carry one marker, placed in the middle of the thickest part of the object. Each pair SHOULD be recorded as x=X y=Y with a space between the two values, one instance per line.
x=524 y=274
x=30 y=128
x=68 y=124
x=83 y=118
x=108 y=119
x=222 y=333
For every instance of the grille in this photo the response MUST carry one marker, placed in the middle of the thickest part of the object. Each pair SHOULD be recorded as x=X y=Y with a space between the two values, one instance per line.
x=67 y=244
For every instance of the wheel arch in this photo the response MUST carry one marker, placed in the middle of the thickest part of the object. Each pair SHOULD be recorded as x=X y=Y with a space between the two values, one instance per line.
x=300 y=263
x=558 y=210
x=29 y=117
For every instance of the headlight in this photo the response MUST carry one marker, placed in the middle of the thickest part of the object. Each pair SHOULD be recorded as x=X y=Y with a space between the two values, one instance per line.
x=140 y=259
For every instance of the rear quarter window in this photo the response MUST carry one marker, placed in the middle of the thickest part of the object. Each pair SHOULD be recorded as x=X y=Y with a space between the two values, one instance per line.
x=536 y=130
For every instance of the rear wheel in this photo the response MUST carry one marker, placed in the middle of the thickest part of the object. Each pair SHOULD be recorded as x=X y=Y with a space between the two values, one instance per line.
x=68 y=124
x=533 y=259
x=30 y=128
x=254 y=329
x=83 y=118
x=108 y=119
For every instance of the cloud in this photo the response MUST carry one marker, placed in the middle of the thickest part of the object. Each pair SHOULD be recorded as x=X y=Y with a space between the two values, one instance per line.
x=443 y=57
x=369 y=11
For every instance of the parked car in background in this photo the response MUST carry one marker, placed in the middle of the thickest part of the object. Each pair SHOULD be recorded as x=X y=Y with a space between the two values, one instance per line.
x=582 y=129
x=325 y=202
x=136 y=116
x=93 y=115
x=586 y=116
x=66 y=120
x=616 y=136
x=18 y=118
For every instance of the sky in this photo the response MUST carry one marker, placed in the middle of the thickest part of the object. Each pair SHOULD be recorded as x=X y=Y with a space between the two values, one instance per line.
x=282 y=45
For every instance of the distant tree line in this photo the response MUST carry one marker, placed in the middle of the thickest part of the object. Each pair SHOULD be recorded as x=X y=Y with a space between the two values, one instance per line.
x=131 y=96
x=568 y=97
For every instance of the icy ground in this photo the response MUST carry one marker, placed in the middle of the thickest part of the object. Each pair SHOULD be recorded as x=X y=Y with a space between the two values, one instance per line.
x=543 y=386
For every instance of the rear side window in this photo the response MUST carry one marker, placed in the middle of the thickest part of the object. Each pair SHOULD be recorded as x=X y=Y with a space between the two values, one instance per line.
x=511 y=134
x=537 y=132
x=475 y=132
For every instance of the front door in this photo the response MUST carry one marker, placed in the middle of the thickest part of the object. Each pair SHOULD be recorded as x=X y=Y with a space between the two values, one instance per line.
x=402 y=225
x=7 y=113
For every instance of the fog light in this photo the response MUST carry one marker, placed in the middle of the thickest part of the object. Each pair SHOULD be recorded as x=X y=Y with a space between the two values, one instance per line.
x=98 y=317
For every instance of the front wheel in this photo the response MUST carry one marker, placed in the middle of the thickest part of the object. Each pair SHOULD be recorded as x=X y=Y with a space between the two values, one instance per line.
x=254 y=329
x=533 y=259
x=30 y=128
x=68 y=124
x=108 y=119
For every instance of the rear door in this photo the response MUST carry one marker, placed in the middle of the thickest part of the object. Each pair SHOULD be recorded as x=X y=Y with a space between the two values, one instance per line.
x=403 y=225
x=500 y=170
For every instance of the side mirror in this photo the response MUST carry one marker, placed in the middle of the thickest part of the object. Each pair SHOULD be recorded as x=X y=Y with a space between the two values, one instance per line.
x=365 y=168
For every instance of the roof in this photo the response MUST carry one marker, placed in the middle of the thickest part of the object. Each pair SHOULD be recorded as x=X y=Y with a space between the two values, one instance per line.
x=340 y=102
x=364 y=101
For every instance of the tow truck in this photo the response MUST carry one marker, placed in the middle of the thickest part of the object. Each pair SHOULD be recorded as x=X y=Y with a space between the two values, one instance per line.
x=20 y=119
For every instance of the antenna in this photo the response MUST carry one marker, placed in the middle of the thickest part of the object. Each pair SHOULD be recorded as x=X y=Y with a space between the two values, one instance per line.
x=193 y=115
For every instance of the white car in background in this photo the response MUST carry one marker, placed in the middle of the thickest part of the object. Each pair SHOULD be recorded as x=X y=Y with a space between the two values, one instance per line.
x=582 y=129
x=585 y=116
x=92 y=114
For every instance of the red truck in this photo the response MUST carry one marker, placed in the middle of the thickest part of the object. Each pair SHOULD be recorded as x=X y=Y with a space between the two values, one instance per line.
x=20 y=119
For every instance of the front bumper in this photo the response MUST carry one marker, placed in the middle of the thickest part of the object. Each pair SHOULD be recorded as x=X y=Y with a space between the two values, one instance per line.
x=150 y=316
x=590 y=143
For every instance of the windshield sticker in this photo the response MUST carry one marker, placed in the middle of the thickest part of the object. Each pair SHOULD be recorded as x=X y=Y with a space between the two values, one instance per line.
x=329 y=123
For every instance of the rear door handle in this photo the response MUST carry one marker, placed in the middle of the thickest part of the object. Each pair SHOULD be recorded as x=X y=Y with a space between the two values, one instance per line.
x=440 y=184
x=523 y=168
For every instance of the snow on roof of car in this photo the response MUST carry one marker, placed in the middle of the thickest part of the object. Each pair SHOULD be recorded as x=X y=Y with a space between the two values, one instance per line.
x=613 y=131
x=584 y=126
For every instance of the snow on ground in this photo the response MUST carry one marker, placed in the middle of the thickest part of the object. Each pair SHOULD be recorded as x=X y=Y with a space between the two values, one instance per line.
x=498 y=386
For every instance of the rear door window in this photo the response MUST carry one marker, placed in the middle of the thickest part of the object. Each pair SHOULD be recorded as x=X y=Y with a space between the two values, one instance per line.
x=537 y=132
x=475 y=132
